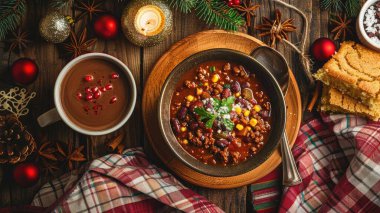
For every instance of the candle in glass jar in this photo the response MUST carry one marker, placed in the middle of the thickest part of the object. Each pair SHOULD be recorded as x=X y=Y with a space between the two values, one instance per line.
x=149 y=20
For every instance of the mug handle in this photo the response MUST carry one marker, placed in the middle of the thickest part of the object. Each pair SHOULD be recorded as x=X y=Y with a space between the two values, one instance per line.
x=48 y=118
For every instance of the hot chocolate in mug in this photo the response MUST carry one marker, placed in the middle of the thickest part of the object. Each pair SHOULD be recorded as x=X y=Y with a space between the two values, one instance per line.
x=95 y=94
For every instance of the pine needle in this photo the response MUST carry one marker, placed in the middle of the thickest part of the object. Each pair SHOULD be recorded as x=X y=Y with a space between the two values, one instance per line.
x=11 y=13
x=58 y=4
x=332 y=5
x=213 y=12
x=352 y=7
x=185 y=6
x=218 y=13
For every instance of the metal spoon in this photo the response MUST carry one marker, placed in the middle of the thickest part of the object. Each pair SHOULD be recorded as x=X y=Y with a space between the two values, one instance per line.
x=277 y=65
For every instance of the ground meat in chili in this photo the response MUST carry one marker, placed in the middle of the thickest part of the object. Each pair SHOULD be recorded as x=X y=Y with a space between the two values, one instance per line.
x=220 y=113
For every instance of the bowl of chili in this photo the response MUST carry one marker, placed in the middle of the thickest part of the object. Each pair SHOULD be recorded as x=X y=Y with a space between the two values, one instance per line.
x=221 y=112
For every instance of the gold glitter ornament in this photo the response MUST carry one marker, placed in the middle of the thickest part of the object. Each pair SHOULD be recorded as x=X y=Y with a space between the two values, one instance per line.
x=55 y=27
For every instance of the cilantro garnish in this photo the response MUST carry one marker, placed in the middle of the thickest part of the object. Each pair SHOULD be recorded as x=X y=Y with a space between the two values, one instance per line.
x=212 y=69
x=221 y=108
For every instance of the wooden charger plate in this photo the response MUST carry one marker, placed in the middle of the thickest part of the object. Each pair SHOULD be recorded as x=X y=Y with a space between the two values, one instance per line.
x=177 y=53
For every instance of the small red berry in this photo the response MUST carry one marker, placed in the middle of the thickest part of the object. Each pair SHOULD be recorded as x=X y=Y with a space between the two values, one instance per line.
x=113 y=100
x=79 y=95
x=114 y=75
x=97 y=94
x=87 y=90
x=89 y=97
x=236 y=2
x=95 y=89
x=108 y=86
x=103 y=89
x=88 y=78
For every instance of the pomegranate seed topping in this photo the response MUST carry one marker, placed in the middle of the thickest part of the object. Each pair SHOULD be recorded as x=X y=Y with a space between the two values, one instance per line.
x=97 y=94
x=79 y=95
x=95 y=89
x=89 y=97
x=88 y=78
x=100 y=81
x=108 y=86
x=114 y=75
x=87 y=90
x=113 y=100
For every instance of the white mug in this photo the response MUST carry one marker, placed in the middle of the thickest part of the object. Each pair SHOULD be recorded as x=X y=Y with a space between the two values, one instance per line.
x=58 y=113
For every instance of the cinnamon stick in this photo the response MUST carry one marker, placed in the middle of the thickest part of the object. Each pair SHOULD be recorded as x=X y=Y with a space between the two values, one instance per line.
x=120 y=148
x=115 y=142
x=315 y=97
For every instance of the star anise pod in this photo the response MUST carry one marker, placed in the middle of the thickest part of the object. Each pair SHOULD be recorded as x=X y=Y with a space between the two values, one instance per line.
x=276 y=29
x=247 y=10
x=78 y=46
x=19 y=40
x=47 y=150
x=88 y=9
x=341 y=26
x=70 y=154
x=47 y=156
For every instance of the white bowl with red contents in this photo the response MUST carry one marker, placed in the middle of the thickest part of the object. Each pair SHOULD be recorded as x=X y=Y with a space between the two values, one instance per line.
x=368 y=25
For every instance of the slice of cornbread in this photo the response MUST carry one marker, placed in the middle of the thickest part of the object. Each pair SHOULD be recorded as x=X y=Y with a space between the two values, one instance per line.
x=333 y=100
x=354 y=70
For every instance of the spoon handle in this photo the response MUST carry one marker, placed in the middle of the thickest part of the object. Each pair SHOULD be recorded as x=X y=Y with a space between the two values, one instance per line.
x=290 y=173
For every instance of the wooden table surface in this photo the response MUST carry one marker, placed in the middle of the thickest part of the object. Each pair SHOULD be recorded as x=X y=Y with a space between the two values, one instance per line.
x=140 y=61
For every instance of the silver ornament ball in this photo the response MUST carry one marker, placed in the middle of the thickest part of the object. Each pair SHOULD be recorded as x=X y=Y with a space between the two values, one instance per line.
x=55 y=27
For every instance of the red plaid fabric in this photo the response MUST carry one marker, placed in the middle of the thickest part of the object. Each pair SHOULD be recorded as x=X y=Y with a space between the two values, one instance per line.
x=338 y=157
x=339 y=161
x=122 y=183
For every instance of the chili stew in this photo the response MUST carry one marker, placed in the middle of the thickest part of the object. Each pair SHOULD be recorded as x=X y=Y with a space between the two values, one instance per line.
x=220 y=113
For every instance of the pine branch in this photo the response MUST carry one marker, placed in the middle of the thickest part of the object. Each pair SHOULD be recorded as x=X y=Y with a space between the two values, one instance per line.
x=185 y=6
x=332 y=5
x=11 y=13
x=218 y=13
x=58 y=4
x=352 y=7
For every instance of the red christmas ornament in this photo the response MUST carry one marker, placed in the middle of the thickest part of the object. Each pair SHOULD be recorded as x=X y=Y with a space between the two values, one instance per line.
x=26 y=174
x=322 y=49
x=24 y=71
x=106 y=26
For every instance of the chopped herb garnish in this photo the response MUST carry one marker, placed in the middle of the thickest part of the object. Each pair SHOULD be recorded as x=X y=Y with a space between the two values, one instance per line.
x=227 y=86
x=220 y=108
x=212 y=69
x=200 y=84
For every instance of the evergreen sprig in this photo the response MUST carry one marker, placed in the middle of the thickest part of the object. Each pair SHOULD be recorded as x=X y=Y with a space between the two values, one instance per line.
x=185 y=5
x=332 y=5
x=213 y=12
x=58 y=4
x=350 y=8
x=11 y=13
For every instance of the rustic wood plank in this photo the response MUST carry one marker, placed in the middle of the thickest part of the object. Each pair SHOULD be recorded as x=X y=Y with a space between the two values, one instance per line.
x=140 y=61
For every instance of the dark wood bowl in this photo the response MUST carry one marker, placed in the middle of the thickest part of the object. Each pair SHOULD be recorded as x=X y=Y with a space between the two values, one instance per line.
x=278 y=113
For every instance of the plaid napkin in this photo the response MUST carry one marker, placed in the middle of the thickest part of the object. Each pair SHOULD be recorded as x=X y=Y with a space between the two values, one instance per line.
x=121 y=183
x=338 y=157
